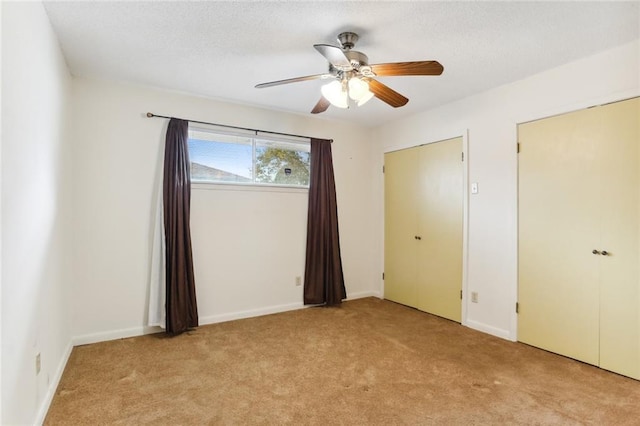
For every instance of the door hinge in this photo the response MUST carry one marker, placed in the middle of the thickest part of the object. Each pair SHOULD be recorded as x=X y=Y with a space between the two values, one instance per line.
x=518 y=147
x=382 y=169
x=383 y=276
x=460 y=294
x=463 y=156
x=517 y=308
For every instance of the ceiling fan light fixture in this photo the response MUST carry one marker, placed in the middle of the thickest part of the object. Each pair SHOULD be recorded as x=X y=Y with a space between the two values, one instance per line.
x=363 y=100
x=335 y=94
x=358 y=89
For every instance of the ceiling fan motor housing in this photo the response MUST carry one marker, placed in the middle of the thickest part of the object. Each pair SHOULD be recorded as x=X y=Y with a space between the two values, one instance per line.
x=359 y=62
x=356 y=58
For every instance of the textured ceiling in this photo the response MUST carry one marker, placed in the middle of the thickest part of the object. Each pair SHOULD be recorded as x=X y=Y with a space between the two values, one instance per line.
x=223 y=49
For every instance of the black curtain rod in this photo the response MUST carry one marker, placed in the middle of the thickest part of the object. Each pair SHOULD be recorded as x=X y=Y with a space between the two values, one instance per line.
x=150 y=115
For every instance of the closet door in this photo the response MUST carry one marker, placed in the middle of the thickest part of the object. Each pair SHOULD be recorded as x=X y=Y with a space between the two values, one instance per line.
x=401 y=225
x=559 y=222
x=440 y=228
x=579 y=233
x=620 y=281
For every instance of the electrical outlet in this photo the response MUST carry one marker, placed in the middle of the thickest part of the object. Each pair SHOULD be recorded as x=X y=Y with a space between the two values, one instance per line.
x=38 y=365
x=298 y=281
x=474 y=296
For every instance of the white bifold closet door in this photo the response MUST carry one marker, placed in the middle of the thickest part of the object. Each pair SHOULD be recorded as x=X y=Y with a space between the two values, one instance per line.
x=579 y=234
x=423 y=227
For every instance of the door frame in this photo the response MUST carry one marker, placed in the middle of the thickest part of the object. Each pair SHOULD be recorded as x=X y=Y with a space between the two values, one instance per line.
x=465 y=206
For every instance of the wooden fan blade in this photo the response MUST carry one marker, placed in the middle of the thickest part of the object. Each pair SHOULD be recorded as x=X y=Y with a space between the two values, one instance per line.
x=386 y=94
x=321 y=106
x=408 y=68
x=292 y=80
x=335 y=56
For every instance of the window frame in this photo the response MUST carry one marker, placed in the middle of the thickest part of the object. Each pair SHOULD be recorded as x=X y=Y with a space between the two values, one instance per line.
x=255 y=139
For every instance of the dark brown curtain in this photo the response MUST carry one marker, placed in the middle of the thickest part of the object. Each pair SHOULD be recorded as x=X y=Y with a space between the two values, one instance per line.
x=182 y=311
x=323 y=278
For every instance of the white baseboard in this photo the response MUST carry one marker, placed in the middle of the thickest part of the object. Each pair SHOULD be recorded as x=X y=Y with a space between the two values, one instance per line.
x=214 y=319
x=363 y=294
x=498 y=332
x=53 y=386
x=114 y=335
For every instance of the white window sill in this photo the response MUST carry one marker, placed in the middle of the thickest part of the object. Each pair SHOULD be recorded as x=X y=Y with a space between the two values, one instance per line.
x=199 y=186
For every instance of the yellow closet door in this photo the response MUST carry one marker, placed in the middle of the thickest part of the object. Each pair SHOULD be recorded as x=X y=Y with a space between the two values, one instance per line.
x=620 y=281
x=558 y=205
x=400 y=229
x=440 y=228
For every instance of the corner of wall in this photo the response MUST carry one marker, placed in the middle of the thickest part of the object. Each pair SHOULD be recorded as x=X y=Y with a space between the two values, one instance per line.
x=36 y=227
x=1 y=386
x=53 y=385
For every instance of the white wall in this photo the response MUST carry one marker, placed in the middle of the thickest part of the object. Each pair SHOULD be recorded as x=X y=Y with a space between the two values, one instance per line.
x=491 y=119
x=1 y=387
x=36 y=224
x=248 y=245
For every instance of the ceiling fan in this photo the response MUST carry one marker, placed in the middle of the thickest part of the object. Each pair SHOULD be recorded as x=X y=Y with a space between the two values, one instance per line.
x=353 y=78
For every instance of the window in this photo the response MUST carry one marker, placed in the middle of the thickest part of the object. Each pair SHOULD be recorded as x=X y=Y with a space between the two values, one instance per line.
x=231 y=158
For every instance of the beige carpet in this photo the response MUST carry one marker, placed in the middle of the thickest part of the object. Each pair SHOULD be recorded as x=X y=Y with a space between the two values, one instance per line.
x=367 y=362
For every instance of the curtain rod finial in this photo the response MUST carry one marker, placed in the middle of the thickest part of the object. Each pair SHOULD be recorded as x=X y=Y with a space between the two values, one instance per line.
x=149 y=114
